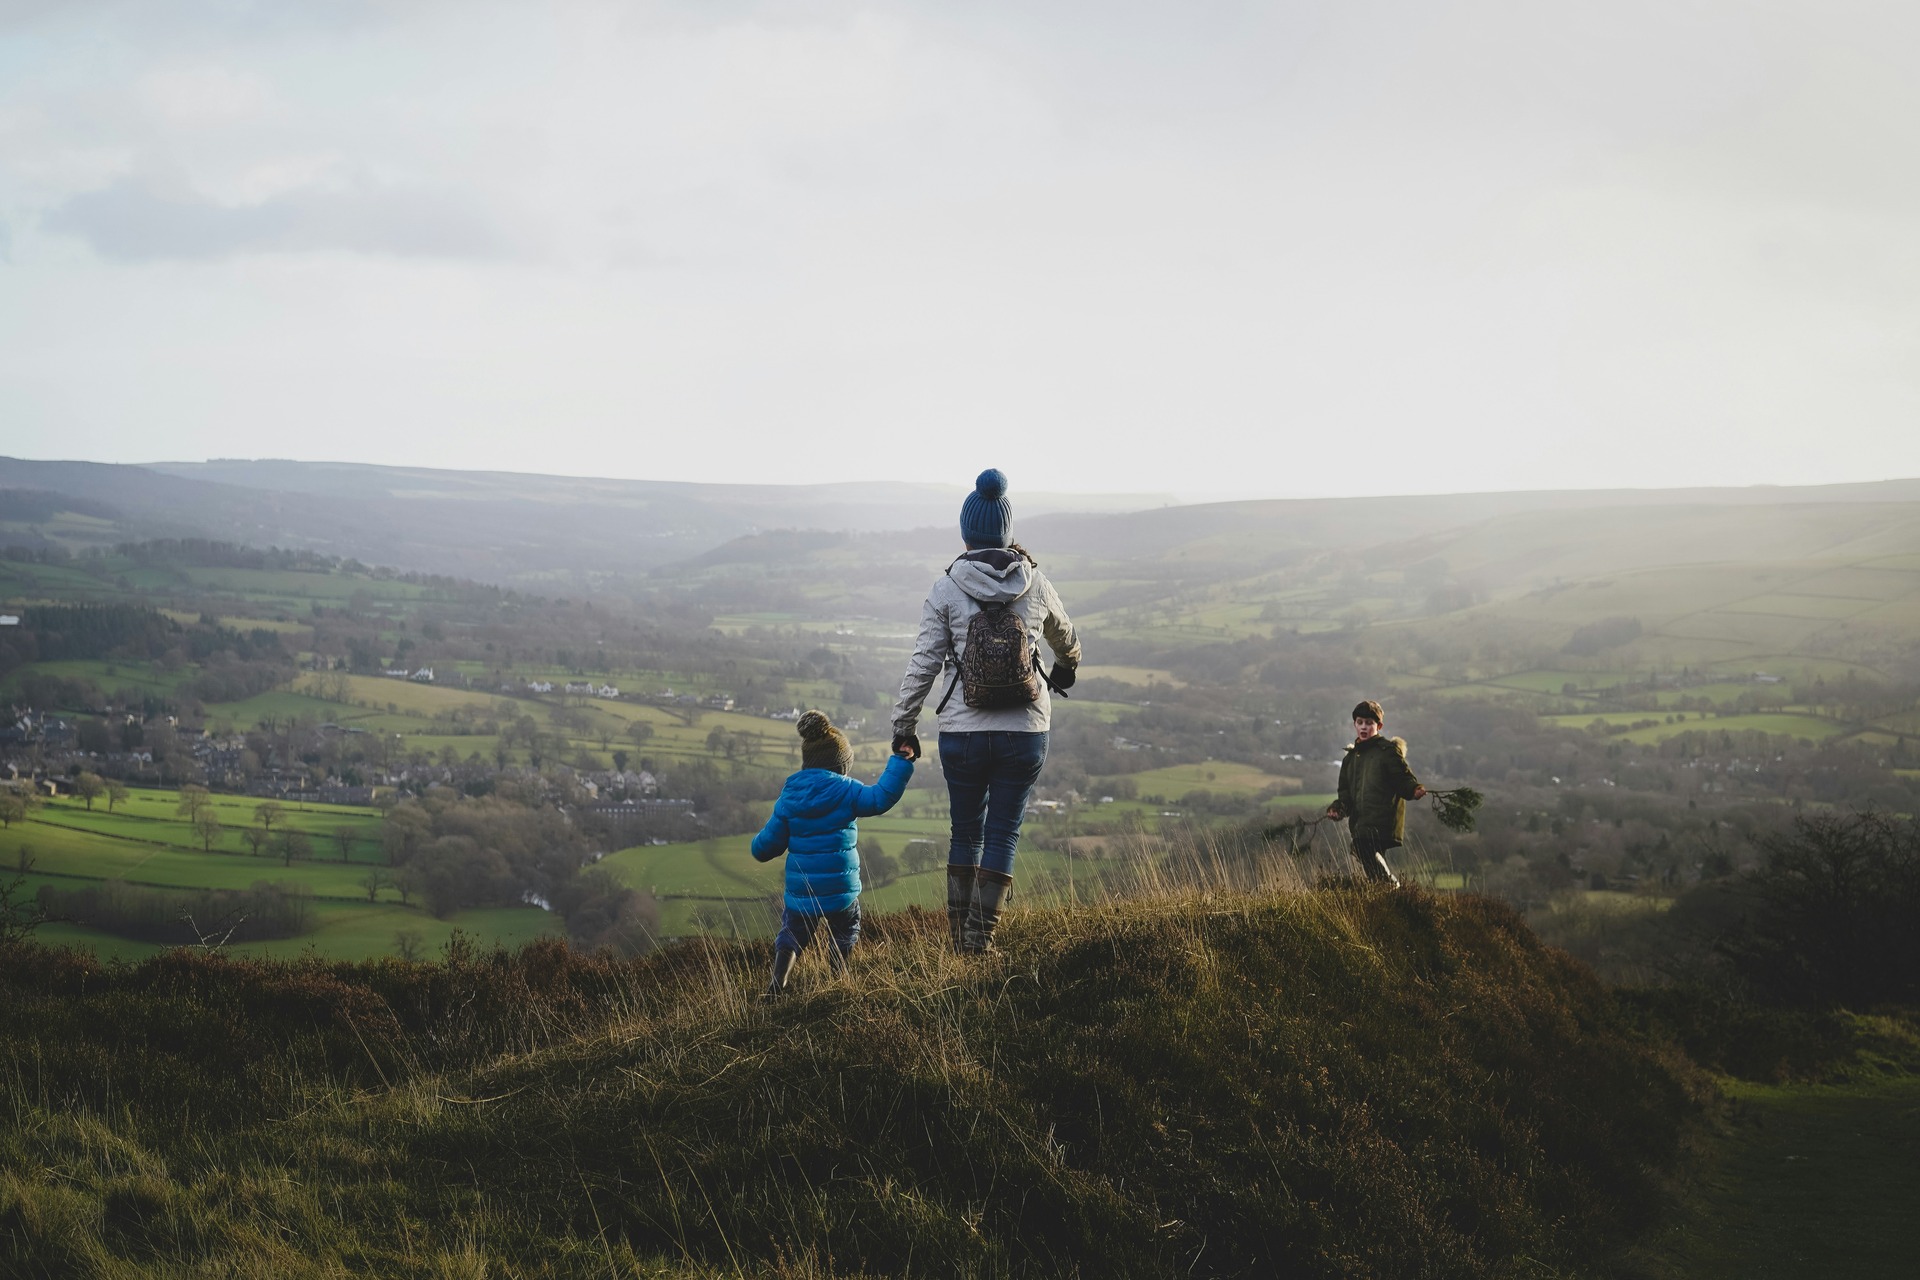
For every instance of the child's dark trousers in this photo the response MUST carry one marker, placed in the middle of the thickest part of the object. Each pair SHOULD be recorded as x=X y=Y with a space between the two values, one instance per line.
x=796 y=929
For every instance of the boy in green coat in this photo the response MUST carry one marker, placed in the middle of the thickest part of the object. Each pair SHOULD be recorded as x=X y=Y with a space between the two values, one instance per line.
x=1375 y=784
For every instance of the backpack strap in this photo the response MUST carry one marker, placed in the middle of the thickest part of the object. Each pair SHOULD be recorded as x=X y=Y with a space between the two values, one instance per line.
x=950 y=688
x=956 y=657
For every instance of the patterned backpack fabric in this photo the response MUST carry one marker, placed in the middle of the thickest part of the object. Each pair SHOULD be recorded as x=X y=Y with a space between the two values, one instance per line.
x=1000 y=667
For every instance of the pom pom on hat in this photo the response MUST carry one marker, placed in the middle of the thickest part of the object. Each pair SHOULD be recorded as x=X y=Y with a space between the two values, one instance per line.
x=986 y=517
x=822 y=746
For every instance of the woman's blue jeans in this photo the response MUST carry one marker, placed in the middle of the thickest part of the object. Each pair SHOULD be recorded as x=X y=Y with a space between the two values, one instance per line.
x=990 y=775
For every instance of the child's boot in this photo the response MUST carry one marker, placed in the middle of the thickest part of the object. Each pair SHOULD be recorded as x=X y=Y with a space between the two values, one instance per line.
x=990 y=891
x=1375 y=865
x=783 y=959
x=959 y=903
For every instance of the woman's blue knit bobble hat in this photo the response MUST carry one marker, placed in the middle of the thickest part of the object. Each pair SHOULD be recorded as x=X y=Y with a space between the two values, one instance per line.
x=986 y=517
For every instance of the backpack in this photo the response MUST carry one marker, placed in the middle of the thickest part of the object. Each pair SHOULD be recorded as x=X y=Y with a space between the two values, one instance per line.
x=1000 y=666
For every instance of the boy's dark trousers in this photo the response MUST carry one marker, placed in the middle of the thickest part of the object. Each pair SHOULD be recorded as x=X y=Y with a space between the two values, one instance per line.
x=1371 y=851
x=797 y=930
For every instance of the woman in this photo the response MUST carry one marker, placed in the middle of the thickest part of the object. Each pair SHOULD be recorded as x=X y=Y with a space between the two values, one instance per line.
x=985 y=616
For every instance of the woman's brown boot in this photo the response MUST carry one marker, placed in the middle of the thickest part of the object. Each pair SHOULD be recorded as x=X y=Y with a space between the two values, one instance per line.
x=990 y=891
x=959 y=902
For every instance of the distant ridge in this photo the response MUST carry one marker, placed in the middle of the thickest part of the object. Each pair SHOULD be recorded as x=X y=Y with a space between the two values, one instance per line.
x=583 y=531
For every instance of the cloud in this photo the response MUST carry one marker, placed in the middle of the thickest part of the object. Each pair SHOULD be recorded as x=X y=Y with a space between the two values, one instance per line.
x=1564 y=239
x=137 y=221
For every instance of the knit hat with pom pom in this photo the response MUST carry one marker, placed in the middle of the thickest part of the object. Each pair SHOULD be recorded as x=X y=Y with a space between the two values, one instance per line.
x=822 y=746
x=986 y=517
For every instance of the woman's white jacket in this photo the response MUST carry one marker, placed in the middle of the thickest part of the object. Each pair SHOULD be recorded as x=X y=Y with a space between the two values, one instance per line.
x=993 y=576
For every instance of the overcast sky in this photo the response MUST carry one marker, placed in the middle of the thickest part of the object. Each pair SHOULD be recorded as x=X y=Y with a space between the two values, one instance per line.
x=1285 y=248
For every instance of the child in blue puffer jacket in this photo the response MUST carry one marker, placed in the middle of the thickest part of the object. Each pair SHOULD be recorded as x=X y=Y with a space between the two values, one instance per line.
x=813 y=824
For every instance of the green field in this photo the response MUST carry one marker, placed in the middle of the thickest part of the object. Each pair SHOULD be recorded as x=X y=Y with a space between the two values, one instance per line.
x=1795 y=724
x=1221 y=776
x=348 y=932
x=110 y=676
x=145 y=841
x=1133 y=676
x=297 y=588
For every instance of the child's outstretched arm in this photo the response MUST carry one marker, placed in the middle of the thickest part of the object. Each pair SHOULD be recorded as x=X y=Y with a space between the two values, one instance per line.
x=1409 y=787
x=772 y=840
x=886 y=793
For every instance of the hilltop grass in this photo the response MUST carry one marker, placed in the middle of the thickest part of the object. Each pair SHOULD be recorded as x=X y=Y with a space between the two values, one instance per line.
x=1222 y=1083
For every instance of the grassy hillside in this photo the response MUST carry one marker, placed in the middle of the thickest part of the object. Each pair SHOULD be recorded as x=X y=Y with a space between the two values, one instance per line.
x=1222 y=1084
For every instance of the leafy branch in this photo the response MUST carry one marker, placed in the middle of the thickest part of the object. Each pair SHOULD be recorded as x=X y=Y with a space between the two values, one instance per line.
x=1454 y=807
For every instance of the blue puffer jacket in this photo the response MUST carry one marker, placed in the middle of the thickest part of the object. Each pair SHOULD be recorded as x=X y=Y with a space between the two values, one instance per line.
x=813 y=822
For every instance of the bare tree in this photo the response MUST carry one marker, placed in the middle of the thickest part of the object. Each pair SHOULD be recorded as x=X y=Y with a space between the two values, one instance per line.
x=294 y=844
x=89 y=787
x=116 y=792
x=342 y=838
x=15 y=805
x=194 y=800
x=374 y=881
x=255 y=839
x=269 y=812
x=207 y=825
x=406 y=829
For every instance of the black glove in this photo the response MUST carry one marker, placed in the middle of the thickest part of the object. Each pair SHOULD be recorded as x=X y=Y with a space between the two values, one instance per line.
x=1063 y=676
x=910 y=742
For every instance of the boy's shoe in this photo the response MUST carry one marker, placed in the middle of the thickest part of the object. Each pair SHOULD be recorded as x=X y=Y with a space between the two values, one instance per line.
x=782 y=966
x=990 y=892
x=1378 y=872
x=960 y=881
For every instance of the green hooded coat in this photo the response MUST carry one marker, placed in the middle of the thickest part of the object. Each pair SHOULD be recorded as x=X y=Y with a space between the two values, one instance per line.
x=1375 y=784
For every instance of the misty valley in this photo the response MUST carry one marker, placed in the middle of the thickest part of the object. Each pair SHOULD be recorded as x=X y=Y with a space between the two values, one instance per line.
x=475 y=762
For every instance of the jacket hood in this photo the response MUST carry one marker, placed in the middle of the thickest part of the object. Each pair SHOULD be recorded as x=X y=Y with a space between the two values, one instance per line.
x=998 y=578
x=1399 y=744
x=813 y=793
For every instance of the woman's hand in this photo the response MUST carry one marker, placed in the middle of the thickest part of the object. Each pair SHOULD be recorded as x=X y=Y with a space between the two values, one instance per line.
x=906 y=746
